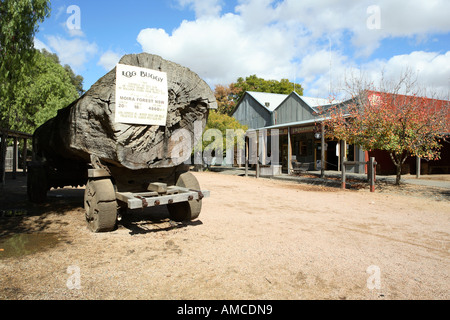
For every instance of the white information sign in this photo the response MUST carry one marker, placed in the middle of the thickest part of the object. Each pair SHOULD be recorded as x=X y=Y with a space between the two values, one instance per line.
x=141 y=96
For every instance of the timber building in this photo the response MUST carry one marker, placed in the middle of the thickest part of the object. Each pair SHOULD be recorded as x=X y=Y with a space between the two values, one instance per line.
x=298 y=121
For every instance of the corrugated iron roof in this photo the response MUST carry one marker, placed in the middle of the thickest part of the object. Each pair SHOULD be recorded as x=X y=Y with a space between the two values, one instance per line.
x=317 y=102
x=271 y=101
x=268 y=100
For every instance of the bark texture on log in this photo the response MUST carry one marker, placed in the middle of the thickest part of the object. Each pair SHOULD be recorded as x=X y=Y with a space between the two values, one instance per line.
x=87 y=126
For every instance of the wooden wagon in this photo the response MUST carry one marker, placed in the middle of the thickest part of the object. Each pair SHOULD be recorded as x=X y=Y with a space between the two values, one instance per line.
x=123 y=165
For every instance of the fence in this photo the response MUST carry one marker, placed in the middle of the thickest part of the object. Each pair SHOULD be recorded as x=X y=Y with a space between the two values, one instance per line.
x=5 y=135
x=371 y=172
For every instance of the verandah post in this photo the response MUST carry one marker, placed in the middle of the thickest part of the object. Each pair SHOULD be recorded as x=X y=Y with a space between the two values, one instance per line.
x=343 y=175
x=246 y=155
x=343 y=157
x=322 y=153
x=289 y=151
x=372 y=164
x=257 y=154
x=417 y=167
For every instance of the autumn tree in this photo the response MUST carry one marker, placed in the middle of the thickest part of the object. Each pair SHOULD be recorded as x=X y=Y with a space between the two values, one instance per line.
x=228 y=96
x=393 y=116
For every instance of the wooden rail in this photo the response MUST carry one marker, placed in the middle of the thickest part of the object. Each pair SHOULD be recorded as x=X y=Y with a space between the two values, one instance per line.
x=5 y=135
x=371 y=172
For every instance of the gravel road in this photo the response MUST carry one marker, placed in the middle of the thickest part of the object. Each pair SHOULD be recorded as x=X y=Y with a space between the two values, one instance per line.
x=255 y=239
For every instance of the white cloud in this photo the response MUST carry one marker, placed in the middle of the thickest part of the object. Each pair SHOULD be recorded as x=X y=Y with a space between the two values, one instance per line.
x=39 y=45
x=397 y=18
x=322 y=72
x=281 y=39
x=109 y=60
x=60 y=11
x=74 y=52
x=75 y=32
x=223 y=49
x=203 y=8
x=256 y=14
x=404 y=18
x=431 y=68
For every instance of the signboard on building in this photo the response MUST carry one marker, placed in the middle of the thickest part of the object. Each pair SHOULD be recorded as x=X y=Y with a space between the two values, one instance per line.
x=296 y=130
x=283 y=131
x=141 y=96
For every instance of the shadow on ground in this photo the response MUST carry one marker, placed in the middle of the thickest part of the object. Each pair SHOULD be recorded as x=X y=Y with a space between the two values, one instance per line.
x=151 y=220
x=16 y=211
x=382 y=185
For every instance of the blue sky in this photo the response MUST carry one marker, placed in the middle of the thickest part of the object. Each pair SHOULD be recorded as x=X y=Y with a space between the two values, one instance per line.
x=223 y=40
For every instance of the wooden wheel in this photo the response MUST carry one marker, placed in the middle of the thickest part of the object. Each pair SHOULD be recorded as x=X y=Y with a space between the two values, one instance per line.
x=189 y=210
x=100 y=205
x=179 y=212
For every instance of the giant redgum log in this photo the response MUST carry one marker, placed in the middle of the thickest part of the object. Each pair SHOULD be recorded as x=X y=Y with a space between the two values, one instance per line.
x=87 y=126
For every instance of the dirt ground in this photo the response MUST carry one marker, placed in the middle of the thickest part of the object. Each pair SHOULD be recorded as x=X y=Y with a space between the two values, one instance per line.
x=255 y=239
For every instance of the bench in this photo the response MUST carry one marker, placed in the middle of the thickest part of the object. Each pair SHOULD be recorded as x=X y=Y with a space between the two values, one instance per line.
x=299 y=167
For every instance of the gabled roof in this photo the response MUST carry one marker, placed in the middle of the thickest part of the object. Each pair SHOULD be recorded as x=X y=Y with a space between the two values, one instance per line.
x=317 y=103
x=270 y=101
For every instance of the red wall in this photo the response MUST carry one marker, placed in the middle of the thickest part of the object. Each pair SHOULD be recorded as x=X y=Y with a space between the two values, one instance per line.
x=386 y=166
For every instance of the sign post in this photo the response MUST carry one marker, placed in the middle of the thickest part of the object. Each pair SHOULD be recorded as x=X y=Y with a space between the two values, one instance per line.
x=141 y=96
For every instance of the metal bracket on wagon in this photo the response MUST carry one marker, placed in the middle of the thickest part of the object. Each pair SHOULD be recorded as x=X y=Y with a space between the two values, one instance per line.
x=173 y=195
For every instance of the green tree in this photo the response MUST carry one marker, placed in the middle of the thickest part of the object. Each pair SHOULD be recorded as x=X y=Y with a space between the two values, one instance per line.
x=76 y=80
x=221 y=132
x=228 y=96
x=45 y=89
x=19 y=21
x=253 y=83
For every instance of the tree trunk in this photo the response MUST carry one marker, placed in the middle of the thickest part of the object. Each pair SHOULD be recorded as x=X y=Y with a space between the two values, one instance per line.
x=398 y=159
x=398 y=176
x=87 y=127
